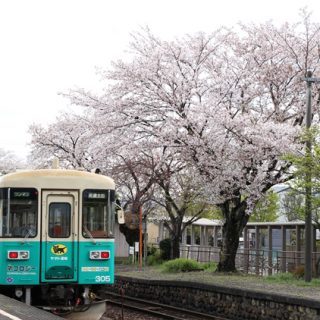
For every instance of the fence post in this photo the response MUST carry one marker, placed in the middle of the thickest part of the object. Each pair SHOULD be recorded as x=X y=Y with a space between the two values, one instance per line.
x=245 y=250
x=314 y=249
x=257 y=249
x=215 y=236
x=270 y=251
x=298 y=245
x=284 y=247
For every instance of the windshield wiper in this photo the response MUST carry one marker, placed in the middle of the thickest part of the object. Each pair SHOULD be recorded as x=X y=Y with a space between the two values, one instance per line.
x=89 y=234
x=29 y=233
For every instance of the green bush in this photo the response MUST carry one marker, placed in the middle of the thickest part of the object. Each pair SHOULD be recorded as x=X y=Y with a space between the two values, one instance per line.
x=151 y=250
x=165 y=249
x=209 y=266
x=154 y=259
x=181 y=265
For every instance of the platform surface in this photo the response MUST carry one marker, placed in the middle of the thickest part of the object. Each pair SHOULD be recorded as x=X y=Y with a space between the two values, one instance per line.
x=16 y=310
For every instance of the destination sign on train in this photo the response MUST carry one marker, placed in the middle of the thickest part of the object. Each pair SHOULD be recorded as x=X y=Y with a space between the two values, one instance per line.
x=96 y=195
x=21 y=194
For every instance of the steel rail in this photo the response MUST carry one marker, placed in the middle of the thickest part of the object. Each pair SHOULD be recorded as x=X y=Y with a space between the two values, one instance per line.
x=195 y=314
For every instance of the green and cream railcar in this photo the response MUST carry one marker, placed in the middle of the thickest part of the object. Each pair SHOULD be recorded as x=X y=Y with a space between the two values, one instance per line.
x=56 y=231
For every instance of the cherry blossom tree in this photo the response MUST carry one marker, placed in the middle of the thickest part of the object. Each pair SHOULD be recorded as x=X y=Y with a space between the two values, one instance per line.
x=137 y=174
x=79 y=143
x=68 y=139
x=134 y=175
x=182 y=199
x=228 y=105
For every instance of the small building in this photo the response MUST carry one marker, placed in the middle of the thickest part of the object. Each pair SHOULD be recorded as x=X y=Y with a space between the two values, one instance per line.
x=201 y=232
x=265 y=245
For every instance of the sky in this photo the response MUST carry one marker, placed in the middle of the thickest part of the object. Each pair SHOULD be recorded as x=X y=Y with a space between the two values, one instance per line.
x=51 y=46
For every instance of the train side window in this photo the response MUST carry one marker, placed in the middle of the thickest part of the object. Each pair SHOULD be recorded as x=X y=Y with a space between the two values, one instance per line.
x=59 y=220
x=18 y=212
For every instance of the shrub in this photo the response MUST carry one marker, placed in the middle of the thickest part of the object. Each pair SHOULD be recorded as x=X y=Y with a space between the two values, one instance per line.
x=181 y=265
x=151 y=250
x=165 y=249
x=210 y=266
x=154 y=259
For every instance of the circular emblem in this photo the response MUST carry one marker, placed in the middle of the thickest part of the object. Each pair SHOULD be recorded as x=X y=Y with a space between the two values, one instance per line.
x=59 y=249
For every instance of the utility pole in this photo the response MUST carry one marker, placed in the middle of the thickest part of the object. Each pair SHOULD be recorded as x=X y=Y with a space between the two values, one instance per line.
x=145 y=240
x=308 y=188
x=140 y=237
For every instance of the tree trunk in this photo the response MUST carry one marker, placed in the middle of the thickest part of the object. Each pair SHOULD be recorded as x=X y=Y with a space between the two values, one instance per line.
x=235 y=221
x=131 y=235
x=175 y=247
x=175 y=230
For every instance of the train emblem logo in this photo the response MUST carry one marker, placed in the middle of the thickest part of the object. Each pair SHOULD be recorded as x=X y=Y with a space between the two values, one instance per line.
x=59 y=249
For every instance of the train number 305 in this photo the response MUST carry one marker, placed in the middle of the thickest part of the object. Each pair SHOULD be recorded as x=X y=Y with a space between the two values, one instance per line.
x=102 y=278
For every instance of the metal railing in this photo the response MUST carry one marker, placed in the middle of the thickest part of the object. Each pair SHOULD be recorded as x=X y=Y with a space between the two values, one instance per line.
x=259 y=262
x=200 y=253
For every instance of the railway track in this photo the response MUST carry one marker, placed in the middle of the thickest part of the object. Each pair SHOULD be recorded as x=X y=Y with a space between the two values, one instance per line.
x=157 y=310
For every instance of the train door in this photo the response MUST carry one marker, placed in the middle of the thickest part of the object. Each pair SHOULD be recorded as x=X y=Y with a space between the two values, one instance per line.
x=59 y=236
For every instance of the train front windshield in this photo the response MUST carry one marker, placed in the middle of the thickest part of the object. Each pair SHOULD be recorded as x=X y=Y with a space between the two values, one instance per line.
x=97 y=213
x=18 y=212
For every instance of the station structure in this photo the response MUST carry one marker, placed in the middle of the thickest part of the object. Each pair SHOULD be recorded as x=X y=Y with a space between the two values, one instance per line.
x=267 y=247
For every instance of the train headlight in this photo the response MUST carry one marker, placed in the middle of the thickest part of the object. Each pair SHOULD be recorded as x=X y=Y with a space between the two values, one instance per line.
x=99 y=255
x=105 y=254
x=18 y=255
x=94 y=255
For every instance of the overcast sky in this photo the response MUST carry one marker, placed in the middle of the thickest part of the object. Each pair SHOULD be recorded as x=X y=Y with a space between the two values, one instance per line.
x=50 y=46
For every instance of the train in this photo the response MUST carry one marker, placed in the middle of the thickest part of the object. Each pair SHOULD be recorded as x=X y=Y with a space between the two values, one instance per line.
x=57 y=236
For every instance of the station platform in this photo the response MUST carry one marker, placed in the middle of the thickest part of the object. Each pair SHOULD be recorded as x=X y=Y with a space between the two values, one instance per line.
x=16 y=310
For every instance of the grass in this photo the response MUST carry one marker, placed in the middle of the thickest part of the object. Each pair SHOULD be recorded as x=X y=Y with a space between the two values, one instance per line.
x=123 y=260
x=206 y=271
x=289 y=278
x=283 y=283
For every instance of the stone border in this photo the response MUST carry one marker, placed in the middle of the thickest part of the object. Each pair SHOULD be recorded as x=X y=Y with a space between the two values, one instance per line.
x=235 y=303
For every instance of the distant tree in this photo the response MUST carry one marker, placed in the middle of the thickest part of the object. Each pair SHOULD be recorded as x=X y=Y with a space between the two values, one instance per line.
x=9 y=162
x=266 y=209
x=293 y=205
x=305 y=164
